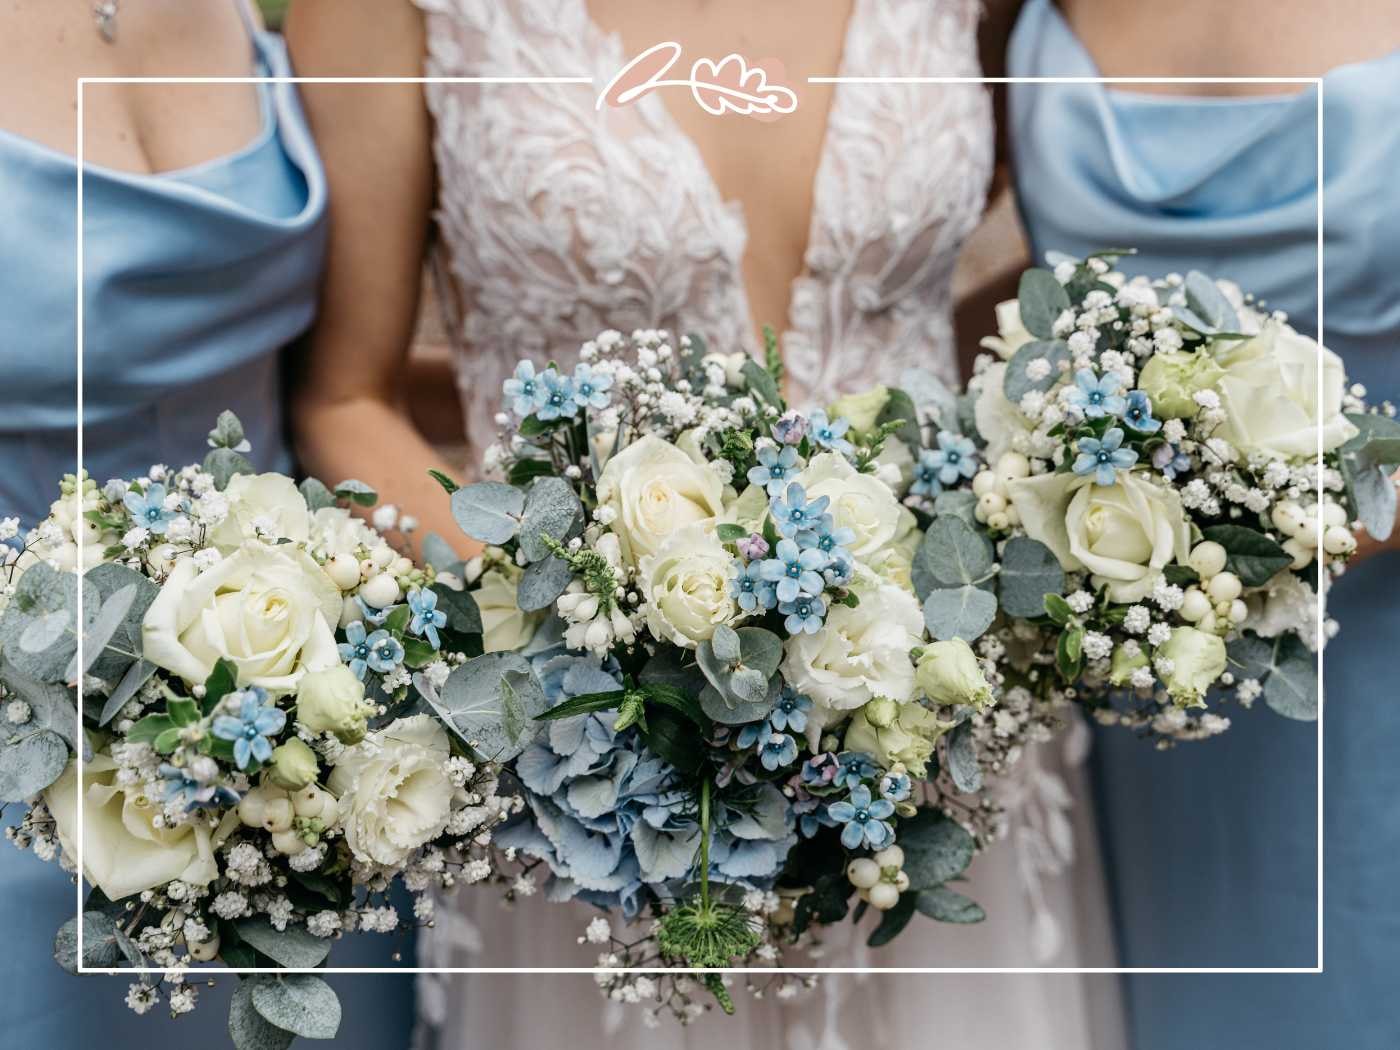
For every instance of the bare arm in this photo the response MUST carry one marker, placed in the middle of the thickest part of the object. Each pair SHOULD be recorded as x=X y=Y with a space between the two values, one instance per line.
x=349 y=413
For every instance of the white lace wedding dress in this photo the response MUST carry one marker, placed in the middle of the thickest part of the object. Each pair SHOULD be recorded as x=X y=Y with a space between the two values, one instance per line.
x=557 y=221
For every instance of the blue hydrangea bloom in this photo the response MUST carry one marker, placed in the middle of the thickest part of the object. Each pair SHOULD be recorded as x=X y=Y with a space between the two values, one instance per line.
x=750 y=589
x=524 y=390
x=1096 y=396
x=804 y=614
x=1170 y=460
x=955 y=457
x=865 y=819
x=774 y=468
x=608 y=817
x=790 y=710
x=1104 y=458
x=557 y=400
x=1138 y=414
x=592 y=386
x=793 y=571
x=427 y=617
x=853 y=767
x=830 y=434
x=793 y=514
x=251 y=729
x=148 y=509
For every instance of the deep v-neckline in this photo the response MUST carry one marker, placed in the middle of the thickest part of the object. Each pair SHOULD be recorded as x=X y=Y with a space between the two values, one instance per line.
x=662 y=118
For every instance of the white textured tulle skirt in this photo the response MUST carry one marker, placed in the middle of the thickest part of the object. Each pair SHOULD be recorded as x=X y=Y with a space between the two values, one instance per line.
x=1042 y=889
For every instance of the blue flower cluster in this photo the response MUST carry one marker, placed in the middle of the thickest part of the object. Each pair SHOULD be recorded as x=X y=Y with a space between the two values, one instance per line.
x=954 y=458
x=550 y=395
x=862 y=816
x=1099 y=397
x=380 y=651
x=810 y=555
x=608 y=818
x=773 y=736
x=252 y=728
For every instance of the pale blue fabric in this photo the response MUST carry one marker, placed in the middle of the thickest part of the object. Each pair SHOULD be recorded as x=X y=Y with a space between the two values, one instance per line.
x=194 y=282
x=1212 y=848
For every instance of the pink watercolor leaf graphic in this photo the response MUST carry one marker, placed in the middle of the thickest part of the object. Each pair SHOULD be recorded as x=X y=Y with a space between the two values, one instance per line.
x=731 y=84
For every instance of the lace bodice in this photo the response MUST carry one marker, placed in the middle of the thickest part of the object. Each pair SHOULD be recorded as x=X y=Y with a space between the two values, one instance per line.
x=558 y=220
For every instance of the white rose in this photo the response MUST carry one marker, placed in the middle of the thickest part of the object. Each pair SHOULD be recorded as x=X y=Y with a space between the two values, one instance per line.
x=261 y=497
x=654 y=488
x=859 y=502
x=859 y=654
x=123 y=851
x=1000 y=423
x=394 y=792
x=1124 y=534
x=504 y=627
x=1269 y=393
x=686 y=586
x=268 y=609
x=1011 y=333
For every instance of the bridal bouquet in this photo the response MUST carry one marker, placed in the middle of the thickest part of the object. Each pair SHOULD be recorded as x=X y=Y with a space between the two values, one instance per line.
x=1196 y=468
x=729 y=653
x=257 y=767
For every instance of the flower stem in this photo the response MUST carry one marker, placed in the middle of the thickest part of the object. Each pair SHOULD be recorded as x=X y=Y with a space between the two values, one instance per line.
x=705 y=843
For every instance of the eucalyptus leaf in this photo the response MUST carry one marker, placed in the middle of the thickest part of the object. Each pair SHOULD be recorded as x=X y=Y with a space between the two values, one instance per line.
x=1366 y=463
x=1029 y=571
x=1017 y=382
x=223 y=464
x=300 y=1003
x=463 y=614
x=954 y=553
x=30 y=761
x=931 y=397
x=100 y=949
x=438 y=553
x=761 y=383
x=109 y=660
x=44 y=631
x=962 y=759
x=228 y=432
x=1291 y=688
x=959 y=612
x=725 y=643
x=491 y=702
x=41 y=592
x=248 y=1029
x=1250 y=656
x=552 y=509
x=728 y=709
x=50 y=706
x=294 y=947
x=749 y=685
x=354 y=491
x=317 y=496
x=936 y=848
x=110 y=619
x=489 y=511
x=542 y=583
x=1207 y=310
x=900 y=406
x=956 y=503
x=1250 y=555
x=945 y=905
x=1041 y=299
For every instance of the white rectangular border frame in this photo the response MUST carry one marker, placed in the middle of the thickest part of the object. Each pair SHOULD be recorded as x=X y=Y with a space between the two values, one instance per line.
x=1317 y=82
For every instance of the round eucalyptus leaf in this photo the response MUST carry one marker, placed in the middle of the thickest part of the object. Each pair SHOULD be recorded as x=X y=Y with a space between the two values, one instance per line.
x=1029 y=571
x=300 y=1003
x=953 y=553
x=1041 y=299
x=491 y=702
x=100 y=949
x=731 y=711
x=552 y=509
x=959 y=612
x=1017 y=381
x=962 y=759
x=760 y=649
x=488 y=511
x=295 y=946
x=945 y=905
x=30 y=761
x=725 y=643
x=1291 y=688
x=542 y=583
x=248 y=1029
x=936 y=849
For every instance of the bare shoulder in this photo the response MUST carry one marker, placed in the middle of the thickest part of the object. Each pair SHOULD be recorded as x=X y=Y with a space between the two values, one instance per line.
x=356 y=37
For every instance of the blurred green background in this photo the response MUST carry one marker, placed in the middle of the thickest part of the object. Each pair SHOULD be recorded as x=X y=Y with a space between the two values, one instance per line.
x=273 y=10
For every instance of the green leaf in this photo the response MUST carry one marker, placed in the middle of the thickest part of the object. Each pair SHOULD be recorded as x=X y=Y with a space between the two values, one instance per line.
x=672 y=737
x=542 y=583
x=1181 y=575
x=100 y=948
x=137 y=675
x=227 y=432
x=248 y=1029
x=953 y=553
x=167 y=742
x=761 y=384
x=957 y=503
x=145 y=730
x=115 y=635
x=679 y=701
x=223 y=464
x=221 y=681
x=892 y=922
x=1250 y=555
x=728 y=532
x=438 y=553
x=489 y=511
x=317 y=496
x=463 y=614
x=936 y=848
x=527 y=468
x=1069 y=653
x=962 y=759
x=583 y=704
x=552 y=509
x=1058 y=609
x=1366 y=463
x=293 y=947
x=1291 y=688
x=959 y=612
x=725 y=645
x=946 y=905
x=353 y=491
x=449 y=486
x=183 y=711
x=300 y=1003
x=43 y=595
x=1206 y=310
x=492 y=702
x=1017 y=382
x=1041 y=299
x=1029 y=572
x=900 y=406
x=31 y=762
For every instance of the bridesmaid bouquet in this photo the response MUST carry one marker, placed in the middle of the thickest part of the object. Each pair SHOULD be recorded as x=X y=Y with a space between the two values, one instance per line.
x=258 y=769
x=1195 y=469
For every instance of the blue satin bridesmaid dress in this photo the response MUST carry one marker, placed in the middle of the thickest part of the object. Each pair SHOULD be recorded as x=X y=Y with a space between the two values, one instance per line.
x=1212 y=847
x=194 y=280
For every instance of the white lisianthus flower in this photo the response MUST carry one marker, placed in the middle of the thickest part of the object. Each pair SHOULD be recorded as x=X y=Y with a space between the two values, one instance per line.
x=1197 y=660
x=859 y=502
x=1285 y=604
x=255 y=497
x=1270 y=395
x=1125 y=534
x=686 y=587
x=655 y=488
x=1011 y=333
x=1000 y=423
x=123 y=850
x=859 y=654
x=394 y=792
x=270 y=610
x=505 y=628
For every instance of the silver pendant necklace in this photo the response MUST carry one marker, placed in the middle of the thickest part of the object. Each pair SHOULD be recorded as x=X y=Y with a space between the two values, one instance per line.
x=104 y=13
